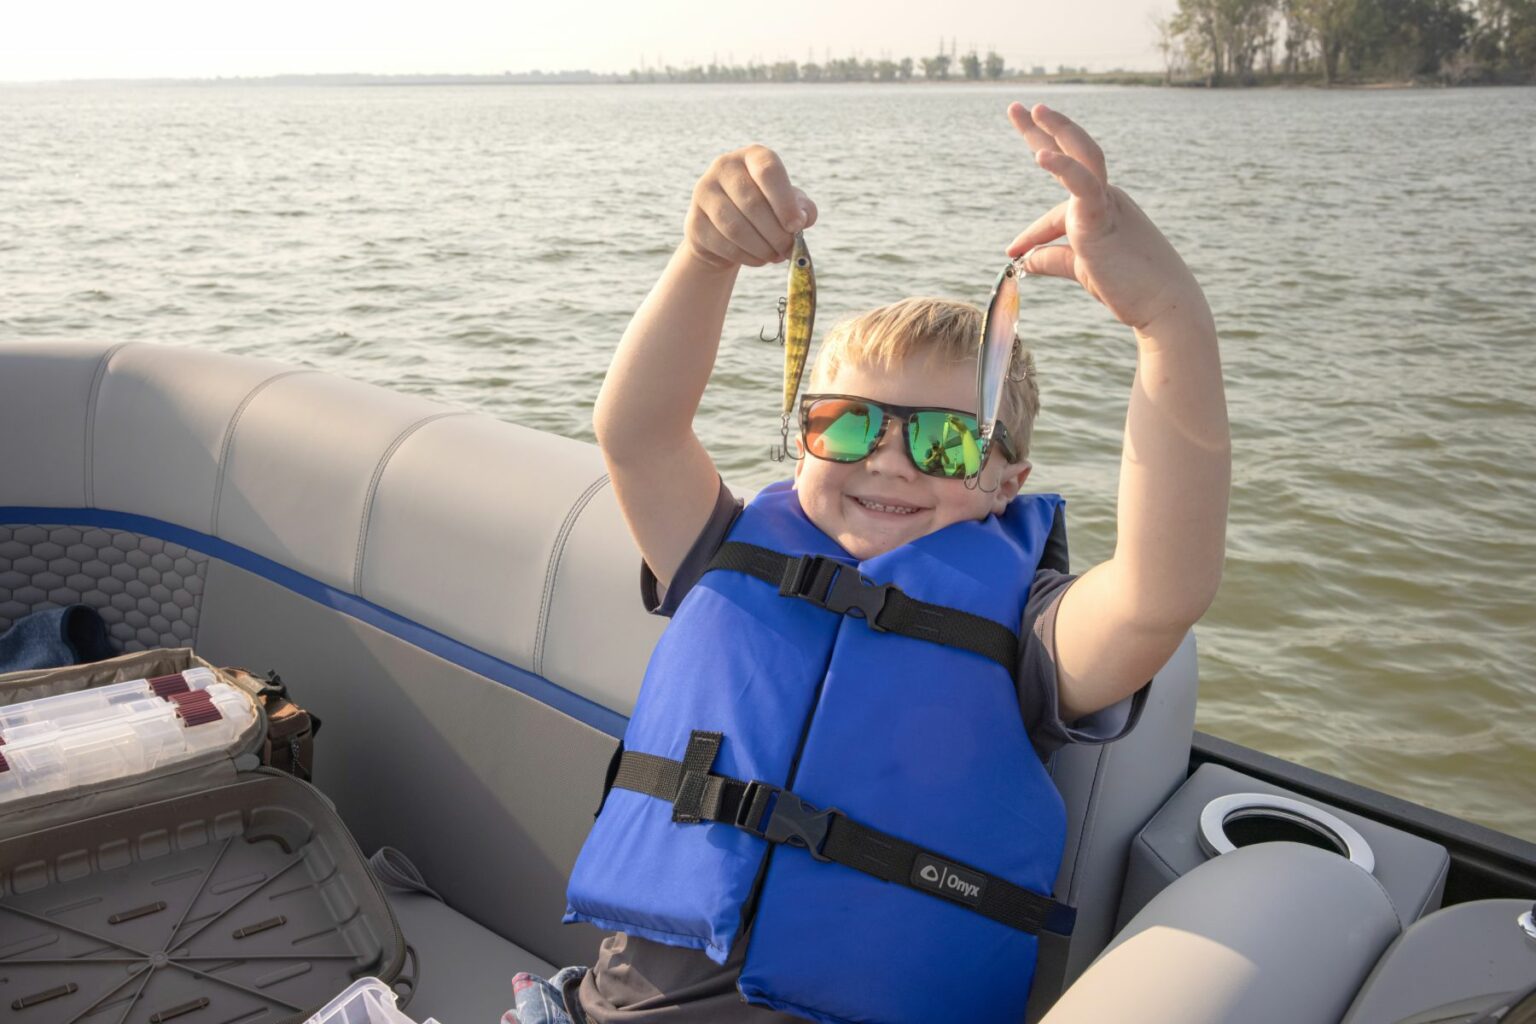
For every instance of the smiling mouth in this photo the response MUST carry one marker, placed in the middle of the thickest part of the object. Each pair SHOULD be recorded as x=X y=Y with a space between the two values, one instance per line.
x=875 y=506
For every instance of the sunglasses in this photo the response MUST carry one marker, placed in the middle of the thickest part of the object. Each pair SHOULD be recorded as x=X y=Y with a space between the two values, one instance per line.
x=940 y=442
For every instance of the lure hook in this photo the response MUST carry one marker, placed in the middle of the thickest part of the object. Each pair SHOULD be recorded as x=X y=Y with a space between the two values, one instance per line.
x=973 y=483
x=781 y=452
x=783 y=308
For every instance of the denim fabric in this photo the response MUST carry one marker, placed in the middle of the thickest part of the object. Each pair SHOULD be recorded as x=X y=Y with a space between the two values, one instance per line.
x=536 y=1001
x=75 y=635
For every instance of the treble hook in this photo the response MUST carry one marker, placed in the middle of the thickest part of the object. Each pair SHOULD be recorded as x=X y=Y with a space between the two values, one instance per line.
x=782 y=452
x=783 y=306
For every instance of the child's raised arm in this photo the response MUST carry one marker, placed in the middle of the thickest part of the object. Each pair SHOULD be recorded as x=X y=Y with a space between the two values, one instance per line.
x=743 y=211
x=1124 y=618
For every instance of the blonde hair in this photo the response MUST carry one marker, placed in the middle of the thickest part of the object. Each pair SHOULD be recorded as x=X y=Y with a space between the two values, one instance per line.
x=940 y=329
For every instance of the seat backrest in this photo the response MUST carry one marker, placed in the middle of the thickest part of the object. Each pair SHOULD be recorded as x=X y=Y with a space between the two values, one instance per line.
x=1111 y=790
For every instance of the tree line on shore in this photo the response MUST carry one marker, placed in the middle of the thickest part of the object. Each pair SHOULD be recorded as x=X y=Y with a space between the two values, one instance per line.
x=1234 y=42
x=1240 y=42
x=971 y=66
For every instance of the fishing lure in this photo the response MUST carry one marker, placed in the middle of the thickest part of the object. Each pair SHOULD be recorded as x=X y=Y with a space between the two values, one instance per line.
x=999 y=345
x=797 y=316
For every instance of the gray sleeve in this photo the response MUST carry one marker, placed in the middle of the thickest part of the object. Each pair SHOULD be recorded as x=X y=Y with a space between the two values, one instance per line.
x=1038 y=696
x=726 y=509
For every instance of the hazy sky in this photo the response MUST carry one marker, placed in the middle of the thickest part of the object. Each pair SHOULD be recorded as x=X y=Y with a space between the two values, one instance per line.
x=178 y=38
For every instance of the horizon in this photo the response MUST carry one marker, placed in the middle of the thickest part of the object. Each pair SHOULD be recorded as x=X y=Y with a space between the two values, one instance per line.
x=167 y=40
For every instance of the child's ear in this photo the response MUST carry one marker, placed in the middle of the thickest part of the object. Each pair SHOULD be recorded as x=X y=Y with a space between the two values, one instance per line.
x=799 y=458
x=1010 y=483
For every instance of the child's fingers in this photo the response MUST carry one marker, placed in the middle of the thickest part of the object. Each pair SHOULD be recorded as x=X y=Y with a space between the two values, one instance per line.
x=1072 y=140
x=754 y=207
x=733 y=225
x=772 y=179
x=711 y=240
x=1079 y=180
x=1052 y=261
x=1037 y=137
x=1048 y=228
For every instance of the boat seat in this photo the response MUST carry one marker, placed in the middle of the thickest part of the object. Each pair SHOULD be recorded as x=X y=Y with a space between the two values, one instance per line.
x=1111 y=790
x=1452 y=960
x=463 y=970
x=1276 y=933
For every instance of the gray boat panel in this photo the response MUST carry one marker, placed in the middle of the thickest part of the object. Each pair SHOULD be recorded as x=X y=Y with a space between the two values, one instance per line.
x=487 y=790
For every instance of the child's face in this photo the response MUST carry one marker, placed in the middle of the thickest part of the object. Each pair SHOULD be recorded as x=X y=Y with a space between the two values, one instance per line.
x=830 y=492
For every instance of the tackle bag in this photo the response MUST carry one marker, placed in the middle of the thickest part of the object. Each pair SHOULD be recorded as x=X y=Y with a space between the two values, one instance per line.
x=207 y=890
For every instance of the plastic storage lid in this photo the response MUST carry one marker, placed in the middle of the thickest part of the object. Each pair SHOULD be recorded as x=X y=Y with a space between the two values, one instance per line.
x=131 y=736
x=365 y=1001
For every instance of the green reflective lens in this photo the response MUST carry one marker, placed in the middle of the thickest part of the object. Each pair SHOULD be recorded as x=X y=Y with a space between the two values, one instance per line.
x=944 y=443
x=841 y=430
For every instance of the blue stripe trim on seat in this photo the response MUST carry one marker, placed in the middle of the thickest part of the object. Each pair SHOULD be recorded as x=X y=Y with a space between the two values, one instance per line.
x=414 y=633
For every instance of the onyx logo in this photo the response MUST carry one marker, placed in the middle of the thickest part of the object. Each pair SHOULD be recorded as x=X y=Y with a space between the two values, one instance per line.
x=948 y=880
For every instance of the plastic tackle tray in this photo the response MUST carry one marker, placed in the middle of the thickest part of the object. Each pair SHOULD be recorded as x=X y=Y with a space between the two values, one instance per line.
x=365 y=1001
x=245 y=903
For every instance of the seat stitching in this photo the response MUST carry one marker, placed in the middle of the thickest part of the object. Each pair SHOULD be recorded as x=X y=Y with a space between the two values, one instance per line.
x=373 y=487
x=90 y=420
x=553 y=571
x=229 y=440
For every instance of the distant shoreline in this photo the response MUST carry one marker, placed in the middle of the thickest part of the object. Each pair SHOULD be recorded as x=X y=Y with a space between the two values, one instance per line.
x=1132 y=78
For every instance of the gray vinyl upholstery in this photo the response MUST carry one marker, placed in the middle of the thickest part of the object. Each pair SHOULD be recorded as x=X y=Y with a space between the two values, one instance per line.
x=1462 y=953
x=1277 y=933
x=459 y=963
x=446 y=523
x=1412 y=870
x=1111 y=791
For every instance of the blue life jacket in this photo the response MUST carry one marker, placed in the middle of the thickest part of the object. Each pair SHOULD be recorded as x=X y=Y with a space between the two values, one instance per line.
x=847 y=774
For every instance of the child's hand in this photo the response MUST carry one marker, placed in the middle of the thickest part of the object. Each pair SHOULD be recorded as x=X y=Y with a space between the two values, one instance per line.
x=745 y=211
x=1113 y=250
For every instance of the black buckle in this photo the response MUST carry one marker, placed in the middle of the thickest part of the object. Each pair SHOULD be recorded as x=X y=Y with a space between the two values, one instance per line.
x=836 y=587
x=791 y=820
x=799 y=824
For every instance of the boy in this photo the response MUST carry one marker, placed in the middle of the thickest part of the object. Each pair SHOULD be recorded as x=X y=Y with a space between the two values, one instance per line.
x=791 y=931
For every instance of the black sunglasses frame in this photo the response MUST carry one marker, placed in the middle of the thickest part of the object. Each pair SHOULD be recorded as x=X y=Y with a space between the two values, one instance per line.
x=902 y=414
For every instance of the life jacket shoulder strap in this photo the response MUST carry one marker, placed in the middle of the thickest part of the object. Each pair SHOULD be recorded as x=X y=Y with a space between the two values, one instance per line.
x=779 y=816
x=839 y=587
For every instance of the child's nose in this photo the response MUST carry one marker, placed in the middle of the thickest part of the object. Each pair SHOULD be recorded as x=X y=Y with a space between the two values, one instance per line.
x=888 y=456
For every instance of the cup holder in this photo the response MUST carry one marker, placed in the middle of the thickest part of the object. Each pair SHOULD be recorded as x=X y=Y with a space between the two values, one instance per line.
x=1243 y=819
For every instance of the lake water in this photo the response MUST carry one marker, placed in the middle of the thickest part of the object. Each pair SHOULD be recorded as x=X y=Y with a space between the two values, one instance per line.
x=1369 y=256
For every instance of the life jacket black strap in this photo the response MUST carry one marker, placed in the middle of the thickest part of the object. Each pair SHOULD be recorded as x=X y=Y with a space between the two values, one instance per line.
x=838 y=587
x=779 y=816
